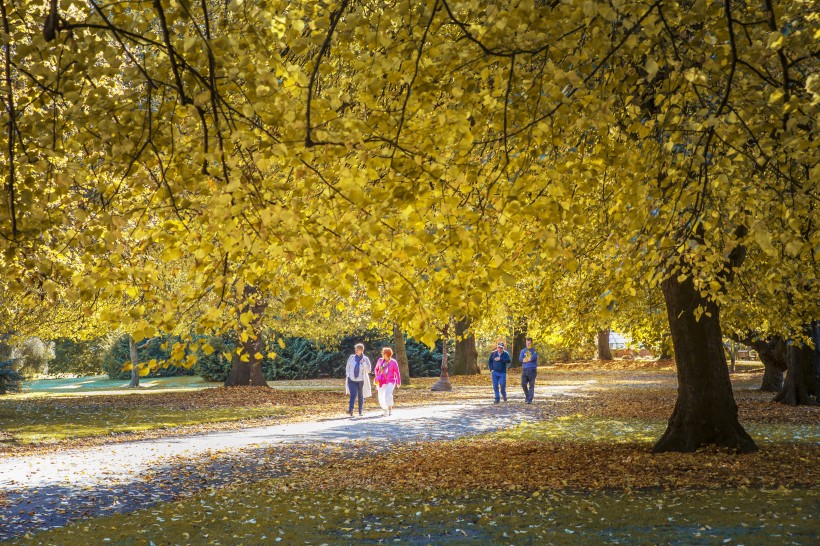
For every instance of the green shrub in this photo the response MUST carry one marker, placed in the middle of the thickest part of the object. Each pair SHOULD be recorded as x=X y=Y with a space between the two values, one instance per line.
x=84 y=357
x=215 y=367
x=32 y=356
x=118 y=354
x=10 y=380
x=305 y=359
x=302 y=358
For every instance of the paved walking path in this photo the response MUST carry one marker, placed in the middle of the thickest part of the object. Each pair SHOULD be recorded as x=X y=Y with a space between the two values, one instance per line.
x=46 y=491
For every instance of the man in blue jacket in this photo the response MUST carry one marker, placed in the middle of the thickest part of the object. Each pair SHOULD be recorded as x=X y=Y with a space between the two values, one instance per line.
x=529 y=369
x=498 y=363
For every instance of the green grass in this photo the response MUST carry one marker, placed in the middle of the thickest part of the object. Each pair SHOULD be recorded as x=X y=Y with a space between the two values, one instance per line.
x=59 y=423
x=100 y=383
x=269 y=512
x=577 y=428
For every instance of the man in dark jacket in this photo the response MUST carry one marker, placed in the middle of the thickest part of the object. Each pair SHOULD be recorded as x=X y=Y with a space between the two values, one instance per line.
x=529 y=369
x=499 y=362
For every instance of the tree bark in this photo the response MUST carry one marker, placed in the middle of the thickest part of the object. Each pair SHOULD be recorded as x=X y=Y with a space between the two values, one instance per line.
x=401 y=354
x=603 y=345
x=246 y=367
x=135 y=363
x=772 y=354
x=443 y=384
x=519 y=341
x=465 y=361
x=666 y=348
x=705 y=412
x=798 y=386
x=732 y=356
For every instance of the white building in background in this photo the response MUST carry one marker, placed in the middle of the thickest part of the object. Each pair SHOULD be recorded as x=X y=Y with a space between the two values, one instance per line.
x=618 y=341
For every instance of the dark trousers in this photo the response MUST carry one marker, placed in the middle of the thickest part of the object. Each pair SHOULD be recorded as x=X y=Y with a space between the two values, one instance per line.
x=528 y=382
x=356 y=390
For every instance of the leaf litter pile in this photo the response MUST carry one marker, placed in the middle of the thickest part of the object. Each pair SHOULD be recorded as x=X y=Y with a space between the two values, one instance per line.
x=582 y=473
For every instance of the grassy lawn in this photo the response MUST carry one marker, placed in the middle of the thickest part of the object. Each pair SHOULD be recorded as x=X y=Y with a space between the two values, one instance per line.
x=583 y=429
x=62 y=423
x=101 y=384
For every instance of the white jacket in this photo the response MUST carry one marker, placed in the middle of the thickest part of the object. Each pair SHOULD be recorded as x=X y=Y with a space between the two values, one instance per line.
x=364 y=375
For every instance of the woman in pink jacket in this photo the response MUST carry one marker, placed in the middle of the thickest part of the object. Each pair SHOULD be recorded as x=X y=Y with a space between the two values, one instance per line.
x=387 y=378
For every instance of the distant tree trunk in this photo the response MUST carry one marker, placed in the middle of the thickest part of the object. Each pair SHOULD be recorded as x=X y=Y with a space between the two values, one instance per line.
x=135 y=363
x=815 y=332
x=732 y=356
x=519 y=340
x=603 y=345
x=799 y=386
x=401 y=354
x=705 y=412
x=246 y=367
x=773 y=356
x=772 y=378
x=465 y=361
x=666 y=348
x=443 y=384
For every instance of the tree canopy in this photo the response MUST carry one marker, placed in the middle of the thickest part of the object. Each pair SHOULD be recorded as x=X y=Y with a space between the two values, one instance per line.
x=163 y=156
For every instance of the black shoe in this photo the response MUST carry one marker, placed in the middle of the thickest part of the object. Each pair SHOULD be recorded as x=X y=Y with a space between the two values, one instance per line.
x=350 y=413
x=497 y=402
x=505 y=398
x=529 y=401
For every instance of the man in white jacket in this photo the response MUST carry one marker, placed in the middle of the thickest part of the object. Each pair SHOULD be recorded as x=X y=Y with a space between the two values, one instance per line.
x=357 y=378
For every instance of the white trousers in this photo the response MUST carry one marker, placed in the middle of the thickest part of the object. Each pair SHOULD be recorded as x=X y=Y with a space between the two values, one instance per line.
x=386 y=395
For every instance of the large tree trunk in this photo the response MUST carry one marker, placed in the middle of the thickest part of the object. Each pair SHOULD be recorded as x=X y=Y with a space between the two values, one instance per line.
x=799 y=386
x=705 y=412
x=603 y=345
x=246 y=366
x=443 y=384
x=519 y=340
x=135 y=363
x=465 y=361
x=815 y=332
x=401 y=354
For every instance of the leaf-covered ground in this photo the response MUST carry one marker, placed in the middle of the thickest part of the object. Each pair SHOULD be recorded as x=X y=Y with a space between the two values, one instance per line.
x=273 y=513
x=581 y=473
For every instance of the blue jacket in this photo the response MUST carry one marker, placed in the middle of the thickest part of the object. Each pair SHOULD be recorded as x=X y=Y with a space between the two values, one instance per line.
x=501 y=364
x=533 y=363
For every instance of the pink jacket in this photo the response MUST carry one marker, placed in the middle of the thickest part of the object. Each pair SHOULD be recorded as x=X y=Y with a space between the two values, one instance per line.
x=387 y=372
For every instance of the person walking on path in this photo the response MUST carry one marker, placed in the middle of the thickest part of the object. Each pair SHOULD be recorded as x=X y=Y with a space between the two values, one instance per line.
x=499 y=362
x=387 y=379
x=357 y=378
x=529 y=369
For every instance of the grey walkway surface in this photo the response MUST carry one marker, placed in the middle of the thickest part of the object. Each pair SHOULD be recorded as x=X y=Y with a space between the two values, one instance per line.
x=46 y=491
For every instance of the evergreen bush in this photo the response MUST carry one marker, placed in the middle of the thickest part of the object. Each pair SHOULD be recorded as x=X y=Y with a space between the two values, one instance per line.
x=84 y=357
x=118 y=354
x=10 y=380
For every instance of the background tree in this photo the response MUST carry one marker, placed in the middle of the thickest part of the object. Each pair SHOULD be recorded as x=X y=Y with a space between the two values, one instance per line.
x=465 y=360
